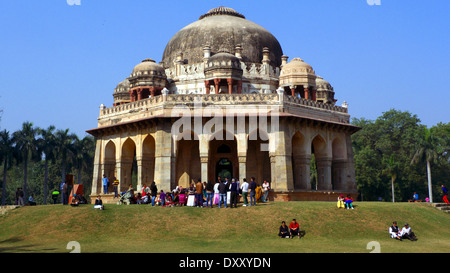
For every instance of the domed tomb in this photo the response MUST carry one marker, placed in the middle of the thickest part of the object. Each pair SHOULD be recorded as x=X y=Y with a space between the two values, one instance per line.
x=222 y=28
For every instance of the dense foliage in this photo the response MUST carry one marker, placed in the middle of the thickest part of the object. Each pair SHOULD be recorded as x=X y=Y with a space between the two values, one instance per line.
x=37 y=160
x=395 y=147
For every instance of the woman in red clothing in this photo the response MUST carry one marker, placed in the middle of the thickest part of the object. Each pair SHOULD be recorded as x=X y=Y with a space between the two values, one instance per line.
x=294 y=229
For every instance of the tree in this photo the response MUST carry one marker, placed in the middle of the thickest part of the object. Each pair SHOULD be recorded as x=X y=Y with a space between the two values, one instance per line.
x=392 y=171
x=428 y=150
x=6 y=156
x=27 y=148
x=83 y=154
x=64 y=149
x=47 y=146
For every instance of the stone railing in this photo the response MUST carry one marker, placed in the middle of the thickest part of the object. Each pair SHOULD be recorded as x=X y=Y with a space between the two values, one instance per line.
x=311 y=103
x=218 y=99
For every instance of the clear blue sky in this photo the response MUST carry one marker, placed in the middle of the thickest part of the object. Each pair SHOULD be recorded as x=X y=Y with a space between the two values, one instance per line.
x=59 y=62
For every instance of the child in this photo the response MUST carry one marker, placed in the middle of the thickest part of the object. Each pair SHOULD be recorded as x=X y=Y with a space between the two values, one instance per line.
x=348 y=201
x=162 y=197
x=169 y=202
x=340 y=203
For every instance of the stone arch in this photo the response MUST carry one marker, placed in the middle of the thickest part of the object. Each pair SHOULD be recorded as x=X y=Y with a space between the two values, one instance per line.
x=320 y=163
x=222 y=137
x=188 y=164
x=109 y=162
x=128 y=165
x=258 y=160
x=146 y=164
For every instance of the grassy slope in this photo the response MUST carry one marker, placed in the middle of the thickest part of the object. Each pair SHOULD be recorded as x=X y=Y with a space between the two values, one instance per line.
x=141 y=228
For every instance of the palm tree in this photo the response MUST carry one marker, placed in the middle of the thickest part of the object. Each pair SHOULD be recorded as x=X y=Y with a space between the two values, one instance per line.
x=84 y=153
x=26 y=148
x=64 y=150
x=46 y=145
x=392 y=171
x=428 y=151
x=6 y=156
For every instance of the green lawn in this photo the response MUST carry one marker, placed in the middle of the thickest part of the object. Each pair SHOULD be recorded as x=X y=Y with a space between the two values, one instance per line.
x=146 y=229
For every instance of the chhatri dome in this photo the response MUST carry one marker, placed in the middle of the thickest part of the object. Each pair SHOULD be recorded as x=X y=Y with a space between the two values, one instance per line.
x=286 y=117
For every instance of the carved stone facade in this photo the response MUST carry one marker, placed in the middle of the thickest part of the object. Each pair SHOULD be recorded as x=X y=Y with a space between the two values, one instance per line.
x=226 y=108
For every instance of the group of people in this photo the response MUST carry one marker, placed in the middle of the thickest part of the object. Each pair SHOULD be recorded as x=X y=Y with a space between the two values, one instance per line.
x=345 y=202
x=203 y=194
x=20 y=201
x=290 y=231
x=404 y=233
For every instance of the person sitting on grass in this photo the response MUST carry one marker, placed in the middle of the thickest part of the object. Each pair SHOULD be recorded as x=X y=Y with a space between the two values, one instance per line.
x=348 y=202
x=394 y=231
x=407 y=233
x=294 y=229
x=98 y=203
x=284 y=231
x=340 y=203
x=74 y=202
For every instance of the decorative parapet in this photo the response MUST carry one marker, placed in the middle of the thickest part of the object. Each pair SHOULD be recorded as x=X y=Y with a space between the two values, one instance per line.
x=284 y=103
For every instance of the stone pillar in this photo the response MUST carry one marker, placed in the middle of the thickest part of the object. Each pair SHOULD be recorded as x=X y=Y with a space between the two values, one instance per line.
x=242 y=148
x=97 y=175
x=292 y=90
x=204 y=168
x=163 y=158
x=208 y=87
x=139 y=94
x=324 y=173
x=242 y=168
x=132 y=95
x=216 y=85
x=301 y=172
x=313 y=91
x=152 y=91
x=339 y=174
x=230 y=86
x=306 y=93
x=239 y=86
x=203 y=146
x=280 y=153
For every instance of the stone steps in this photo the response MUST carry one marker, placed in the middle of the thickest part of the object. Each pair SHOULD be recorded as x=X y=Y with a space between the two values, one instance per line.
x=442 y=206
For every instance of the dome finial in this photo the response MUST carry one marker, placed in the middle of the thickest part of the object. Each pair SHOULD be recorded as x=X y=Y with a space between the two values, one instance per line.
x=222 y=11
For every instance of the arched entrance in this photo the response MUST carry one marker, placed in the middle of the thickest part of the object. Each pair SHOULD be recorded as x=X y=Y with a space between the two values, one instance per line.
x=109 y=163
x=188 y=165
x=223 y=156
x=128 y=165
x=258 y=161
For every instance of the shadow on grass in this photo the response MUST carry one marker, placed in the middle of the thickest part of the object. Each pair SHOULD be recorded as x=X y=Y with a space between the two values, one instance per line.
x=18 y=248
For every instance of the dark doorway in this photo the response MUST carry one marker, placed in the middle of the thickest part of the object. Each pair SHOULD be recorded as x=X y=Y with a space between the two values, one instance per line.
x=224 y=168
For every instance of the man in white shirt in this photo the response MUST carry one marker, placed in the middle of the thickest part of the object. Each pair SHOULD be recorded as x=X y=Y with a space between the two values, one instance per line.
x=394 y=231
x=244 y=188
x=406 y=233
